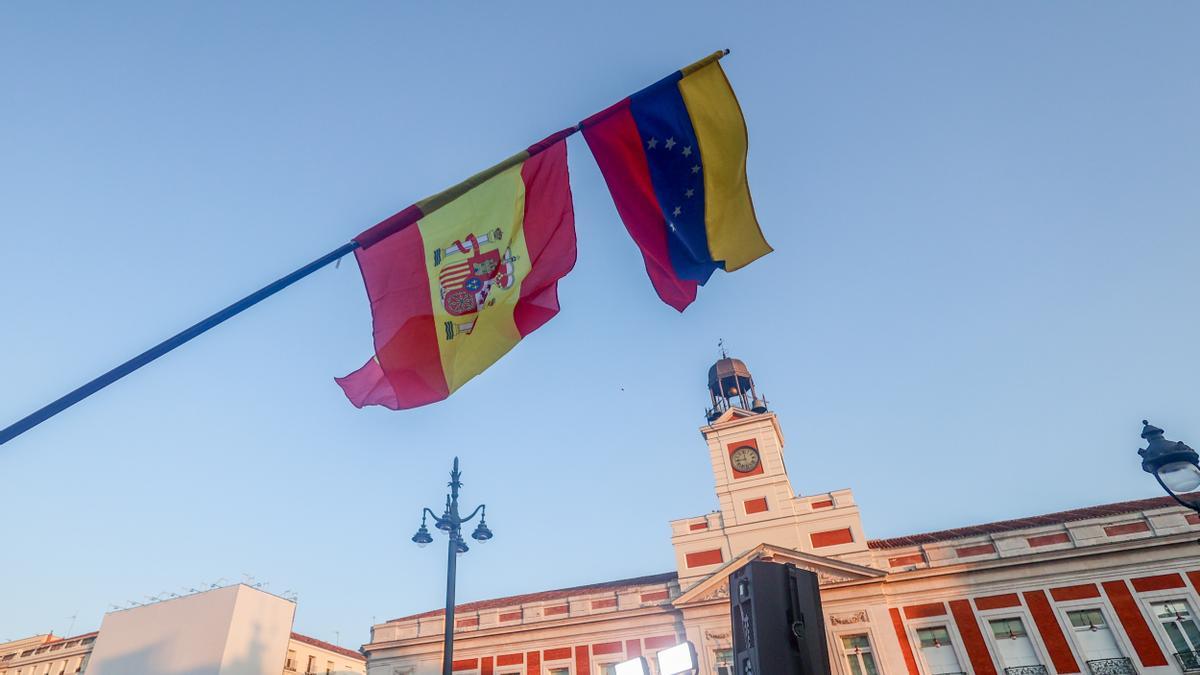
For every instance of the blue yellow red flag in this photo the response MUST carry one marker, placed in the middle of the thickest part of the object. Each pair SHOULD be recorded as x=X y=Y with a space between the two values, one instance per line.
x=674 y=158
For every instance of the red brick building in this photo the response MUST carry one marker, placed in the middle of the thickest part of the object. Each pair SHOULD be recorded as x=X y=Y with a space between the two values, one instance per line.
x=1097 y=590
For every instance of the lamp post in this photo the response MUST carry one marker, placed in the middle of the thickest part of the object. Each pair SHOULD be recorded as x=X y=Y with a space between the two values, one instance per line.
x=451 y=523
x=1173 y=464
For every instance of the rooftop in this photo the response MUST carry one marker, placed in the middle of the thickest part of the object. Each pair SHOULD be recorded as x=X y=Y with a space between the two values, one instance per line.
x=348 y=653
x=1027 y=522
x=541 y=596
x=1058 y=518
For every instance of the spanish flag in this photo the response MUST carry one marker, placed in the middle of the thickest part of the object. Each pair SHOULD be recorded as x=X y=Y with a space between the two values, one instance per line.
x=674 y=158
x=455 y=281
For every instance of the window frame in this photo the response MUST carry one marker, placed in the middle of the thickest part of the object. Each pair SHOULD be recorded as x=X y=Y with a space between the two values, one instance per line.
x=1146 y=600
x=1031 y=629
x=834 y=634
x=956 y=641
x=599 y=663
x=835 y=640
x=1063 y=608
x=715 y=664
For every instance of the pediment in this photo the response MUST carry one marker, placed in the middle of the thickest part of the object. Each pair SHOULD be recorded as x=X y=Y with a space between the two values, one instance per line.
x=828 y=570
x=734 y=417
x=731 y=414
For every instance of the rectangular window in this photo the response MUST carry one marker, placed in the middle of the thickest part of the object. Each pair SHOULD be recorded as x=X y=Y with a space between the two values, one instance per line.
x=1175 y=616
x=860 y=658
x=938 y=652
x=312 y=666
x=1013 y=643
x=724 y=661
x=1093 y=635
x=607 y=669
x=560 y=671
x=329 y=668
x=290 y=664
x=1087 y=618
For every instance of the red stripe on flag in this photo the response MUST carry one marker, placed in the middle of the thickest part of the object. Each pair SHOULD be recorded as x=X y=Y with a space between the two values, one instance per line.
x=407 y=370
x=613 y=138
x=389 y=226
x=549 y=236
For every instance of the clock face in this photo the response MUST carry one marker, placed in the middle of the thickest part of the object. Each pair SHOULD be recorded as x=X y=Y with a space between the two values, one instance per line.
x=744 y=459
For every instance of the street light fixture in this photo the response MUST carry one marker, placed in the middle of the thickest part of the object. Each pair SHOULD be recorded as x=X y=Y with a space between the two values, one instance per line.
x=451 y=523
x=1173 y=464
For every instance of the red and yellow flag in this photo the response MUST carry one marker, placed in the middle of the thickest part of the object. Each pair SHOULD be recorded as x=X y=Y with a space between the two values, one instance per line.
x=455 y=281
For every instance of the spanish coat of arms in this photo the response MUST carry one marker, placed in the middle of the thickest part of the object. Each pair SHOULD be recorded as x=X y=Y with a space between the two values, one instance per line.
x=474 y=267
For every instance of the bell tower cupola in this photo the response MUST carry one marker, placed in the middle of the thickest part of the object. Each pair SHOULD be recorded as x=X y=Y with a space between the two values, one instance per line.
x=731 y=386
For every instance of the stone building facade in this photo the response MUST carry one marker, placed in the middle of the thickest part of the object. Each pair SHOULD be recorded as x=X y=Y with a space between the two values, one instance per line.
x=1096 y=590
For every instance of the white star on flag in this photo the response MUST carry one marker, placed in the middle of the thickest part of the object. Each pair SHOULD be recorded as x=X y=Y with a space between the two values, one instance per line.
x=677 y=211
x=696 y=169
x=687 y=151
x=671 y=225
x=652 y=143
x=670 y=143
x=689 y=193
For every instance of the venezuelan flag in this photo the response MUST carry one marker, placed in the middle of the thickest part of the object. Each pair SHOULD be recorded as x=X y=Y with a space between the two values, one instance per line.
x=674 y=158
x=457 y=280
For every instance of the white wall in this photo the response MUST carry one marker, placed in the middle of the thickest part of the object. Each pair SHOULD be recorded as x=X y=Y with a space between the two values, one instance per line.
x=235 y=630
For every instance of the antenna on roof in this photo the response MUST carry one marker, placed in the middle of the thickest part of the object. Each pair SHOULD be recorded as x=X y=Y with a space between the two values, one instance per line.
x=721 y=346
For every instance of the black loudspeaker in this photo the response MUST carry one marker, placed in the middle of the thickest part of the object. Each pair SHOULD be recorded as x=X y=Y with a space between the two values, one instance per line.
x=778 y=627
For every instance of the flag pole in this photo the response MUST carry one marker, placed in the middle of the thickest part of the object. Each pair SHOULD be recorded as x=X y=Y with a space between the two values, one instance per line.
x=48 y=411
x=364 y=240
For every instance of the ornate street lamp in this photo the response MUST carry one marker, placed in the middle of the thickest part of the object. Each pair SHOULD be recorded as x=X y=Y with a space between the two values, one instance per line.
x=451 y=523
x=1174 y=465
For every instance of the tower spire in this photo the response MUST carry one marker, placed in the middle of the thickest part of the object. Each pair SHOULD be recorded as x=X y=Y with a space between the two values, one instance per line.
x=730 y=385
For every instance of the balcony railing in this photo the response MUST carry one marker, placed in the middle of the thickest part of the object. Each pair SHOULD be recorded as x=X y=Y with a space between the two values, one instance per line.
x=1026 y=670
x=1121 y=666
x=1189 y=661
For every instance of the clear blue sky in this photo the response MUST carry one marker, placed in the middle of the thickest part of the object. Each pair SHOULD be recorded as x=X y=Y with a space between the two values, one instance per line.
x=986 y=222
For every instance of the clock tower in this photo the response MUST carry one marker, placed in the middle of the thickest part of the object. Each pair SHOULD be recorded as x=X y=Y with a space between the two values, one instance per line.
x=757 y=504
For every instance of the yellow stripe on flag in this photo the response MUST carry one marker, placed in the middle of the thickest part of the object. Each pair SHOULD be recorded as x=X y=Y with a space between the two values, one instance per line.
x=733 y=232
x=493 y=214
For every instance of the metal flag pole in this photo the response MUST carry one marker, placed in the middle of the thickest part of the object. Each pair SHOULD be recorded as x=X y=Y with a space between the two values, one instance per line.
x=364 y=240
x=33 y=419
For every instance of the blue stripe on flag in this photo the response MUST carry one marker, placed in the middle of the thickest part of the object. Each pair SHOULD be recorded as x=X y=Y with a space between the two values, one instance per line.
x=677 y=173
